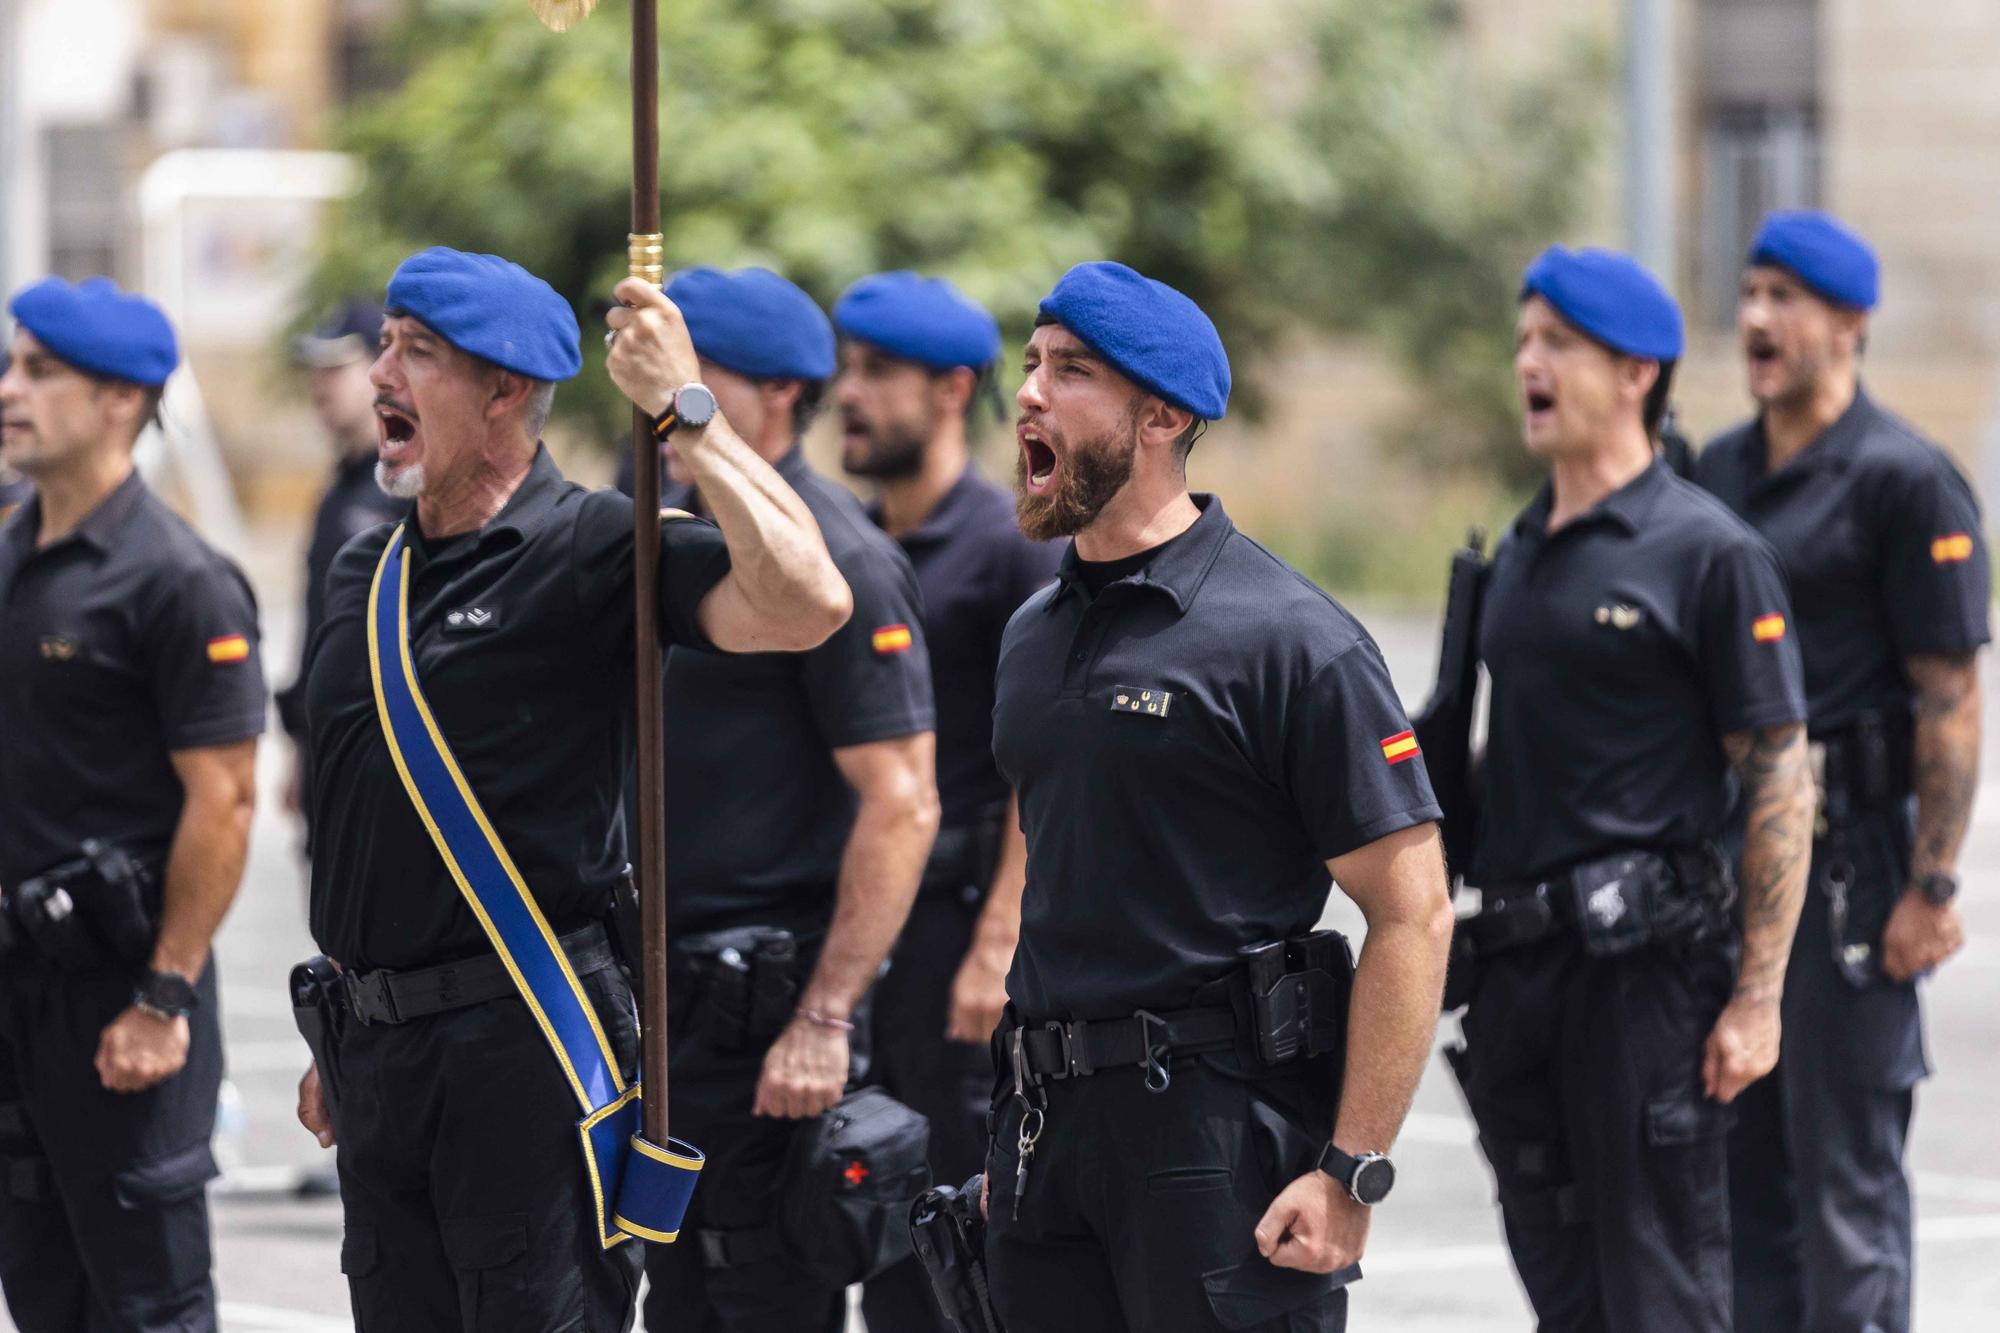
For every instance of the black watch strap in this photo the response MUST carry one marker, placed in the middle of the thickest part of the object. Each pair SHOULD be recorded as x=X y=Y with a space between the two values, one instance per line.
x=1367 y=1178
x=1939 y=887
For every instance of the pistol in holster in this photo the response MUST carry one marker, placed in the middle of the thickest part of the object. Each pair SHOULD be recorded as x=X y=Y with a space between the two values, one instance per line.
x=319 y=1007
x=949 y=1236
x=746 y=983
x=91 y=912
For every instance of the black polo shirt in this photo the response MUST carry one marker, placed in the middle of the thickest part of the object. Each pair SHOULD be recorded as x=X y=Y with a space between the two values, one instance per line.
x=1621 y=649
x=120 y=643
x=1880 y=539
x=522 y=638
x=353 y=503
x=975 y=568
x=757 y=813
x=1191 y=747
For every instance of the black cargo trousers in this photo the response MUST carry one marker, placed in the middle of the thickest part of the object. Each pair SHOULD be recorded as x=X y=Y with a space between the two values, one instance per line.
x=1584 y=1078
x=461 y=1175
x=945 y=1081
x=703 y=1283
x=1820 y=1205
x=1139 y=1209
x=103 y=1201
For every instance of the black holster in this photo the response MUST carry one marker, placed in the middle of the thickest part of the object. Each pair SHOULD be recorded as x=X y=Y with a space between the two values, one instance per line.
x=949 y=1236
x=1298 y=996
x=93 y=912
x=746 y=983
x=318 y=1010
x=1614 y=905
x=1867 y=774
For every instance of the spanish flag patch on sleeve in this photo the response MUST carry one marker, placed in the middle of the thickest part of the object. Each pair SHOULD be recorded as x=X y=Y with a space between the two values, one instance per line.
x=1401 y=746
x=1768 y=629
x=892 y=639
x=1951 y=548
x=228 y=648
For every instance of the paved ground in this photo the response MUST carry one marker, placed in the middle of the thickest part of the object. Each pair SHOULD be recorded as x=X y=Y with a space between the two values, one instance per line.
x=1435 y=1263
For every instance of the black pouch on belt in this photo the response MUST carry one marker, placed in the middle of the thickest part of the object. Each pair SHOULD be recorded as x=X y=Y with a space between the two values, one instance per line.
x=774 y=984
x=1615 y=900
x=316 y=1008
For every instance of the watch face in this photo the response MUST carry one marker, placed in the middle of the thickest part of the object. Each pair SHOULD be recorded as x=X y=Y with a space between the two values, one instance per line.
x=695 y=405
x=169 y=991
x=1373 y=1179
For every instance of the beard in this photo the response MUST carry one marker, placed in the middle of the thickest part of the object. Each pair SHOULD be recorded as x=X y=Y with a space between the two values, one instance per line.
x=406 y=484
x=1090 y=476
x=893 y=452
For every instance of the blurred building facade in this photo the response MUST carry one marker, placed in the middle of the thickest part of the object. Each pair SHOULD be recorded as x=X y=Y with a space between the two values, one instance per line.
x=1884 y=112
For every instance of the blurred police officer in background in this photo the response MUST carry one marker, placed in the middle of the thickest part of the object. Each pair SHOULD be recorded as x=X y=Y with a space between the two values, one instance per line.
x=1191 y=1119
x=130 y=702
x=801 y=802
x=468 y=1205
x=1879 y=535
x=1639 y=648
x=917 y=366
x=335 y=355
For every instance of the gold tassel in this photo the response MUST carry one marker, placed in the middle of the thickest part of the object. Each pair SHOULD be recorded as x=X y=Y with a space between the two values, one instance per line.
x=562 y=15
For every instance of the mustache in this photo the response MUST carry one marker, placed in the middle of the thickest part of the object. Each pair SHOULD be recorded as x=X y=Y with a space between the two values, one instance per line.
x=384 y=400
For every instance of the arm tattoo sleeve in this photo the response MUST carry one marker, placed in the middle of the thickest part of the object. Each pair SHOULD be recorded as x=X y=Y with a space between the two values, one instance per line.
x=1777 y=850
x=1945 y=762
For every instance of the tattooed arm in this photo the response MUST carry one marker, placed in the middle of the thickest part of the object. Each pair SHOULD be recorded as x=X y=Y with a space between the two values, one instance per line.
x=1922 y=934
x=1777 y=853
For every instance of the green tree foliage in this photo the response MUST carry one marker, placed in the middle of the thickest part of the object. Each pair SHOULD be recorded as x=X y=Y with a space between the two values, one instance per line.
x=994 y=141
x=1439 y=187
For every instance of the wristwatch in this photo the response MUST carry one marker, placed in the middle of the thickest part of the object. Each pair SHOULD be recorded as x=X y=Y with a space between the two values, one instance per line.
x=1367 y=1178
x=165 y=995
x=1939 y=887
x=693 y=406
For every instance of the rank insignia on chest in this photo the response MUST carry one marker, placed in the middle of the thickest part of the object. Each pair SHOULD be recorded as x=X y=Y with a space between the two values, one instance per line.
x=1618 y=617
x=467 y=619
x=892 y=639
x=55 y=648
x=228 y=648
x=1146 y=703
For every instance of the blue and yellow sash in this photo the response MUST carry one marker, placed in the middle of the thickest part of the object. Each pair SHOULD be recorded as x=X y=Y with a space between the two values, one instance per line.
x=640 y=1188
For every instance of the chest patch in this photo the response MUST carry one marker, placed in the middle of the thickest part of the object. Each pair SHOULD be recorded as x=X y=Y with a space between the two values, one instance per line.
x=1619 y=616
x=471 y=619
x=1144 y=702
x=56 y=648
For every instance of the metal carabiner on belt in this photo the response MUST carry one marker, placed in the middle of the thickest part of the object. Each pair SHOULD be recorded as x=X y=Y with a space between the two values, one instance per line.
x=1158 y=1076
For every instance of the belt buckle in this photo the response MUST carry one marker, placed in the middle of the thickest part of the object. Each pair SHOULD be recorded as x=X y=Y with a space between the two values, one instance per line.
x=369 y=998
x=1070 y=1043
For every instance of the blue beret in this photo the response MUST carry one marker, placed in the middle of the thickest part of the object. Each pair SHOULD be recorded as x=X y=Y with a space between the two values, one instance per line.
x=1821 y=253
x=1610 y=297
x=755 y=323
x=1150 y=333
x=920 y=319
x=490 y=307
x=99 y=329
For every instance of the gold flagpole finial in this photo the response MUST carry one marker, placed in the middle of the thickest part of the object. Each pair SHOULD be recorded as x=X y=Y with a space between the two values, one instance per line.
x=562 y=15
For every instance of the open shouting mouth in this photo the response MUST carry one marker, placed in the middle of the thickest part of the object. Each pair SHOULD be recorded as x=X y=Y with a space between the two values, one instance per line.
x=396 y=428
x=1039 y=460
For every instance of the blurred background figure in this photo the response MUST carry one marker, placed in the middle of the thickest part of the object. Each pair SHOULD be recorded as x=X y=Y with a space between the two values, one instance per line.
x=336 y=355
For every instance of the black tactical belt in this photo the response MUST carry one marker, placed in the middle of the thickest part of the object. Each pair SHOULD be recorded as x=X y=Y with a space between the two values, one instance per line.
x=398 y=997
x=1058 y=1050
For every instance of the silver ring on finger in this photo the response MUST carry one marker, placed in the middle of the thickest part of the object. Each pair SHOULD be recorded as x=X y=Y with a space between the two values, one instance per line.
x=609 y=338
